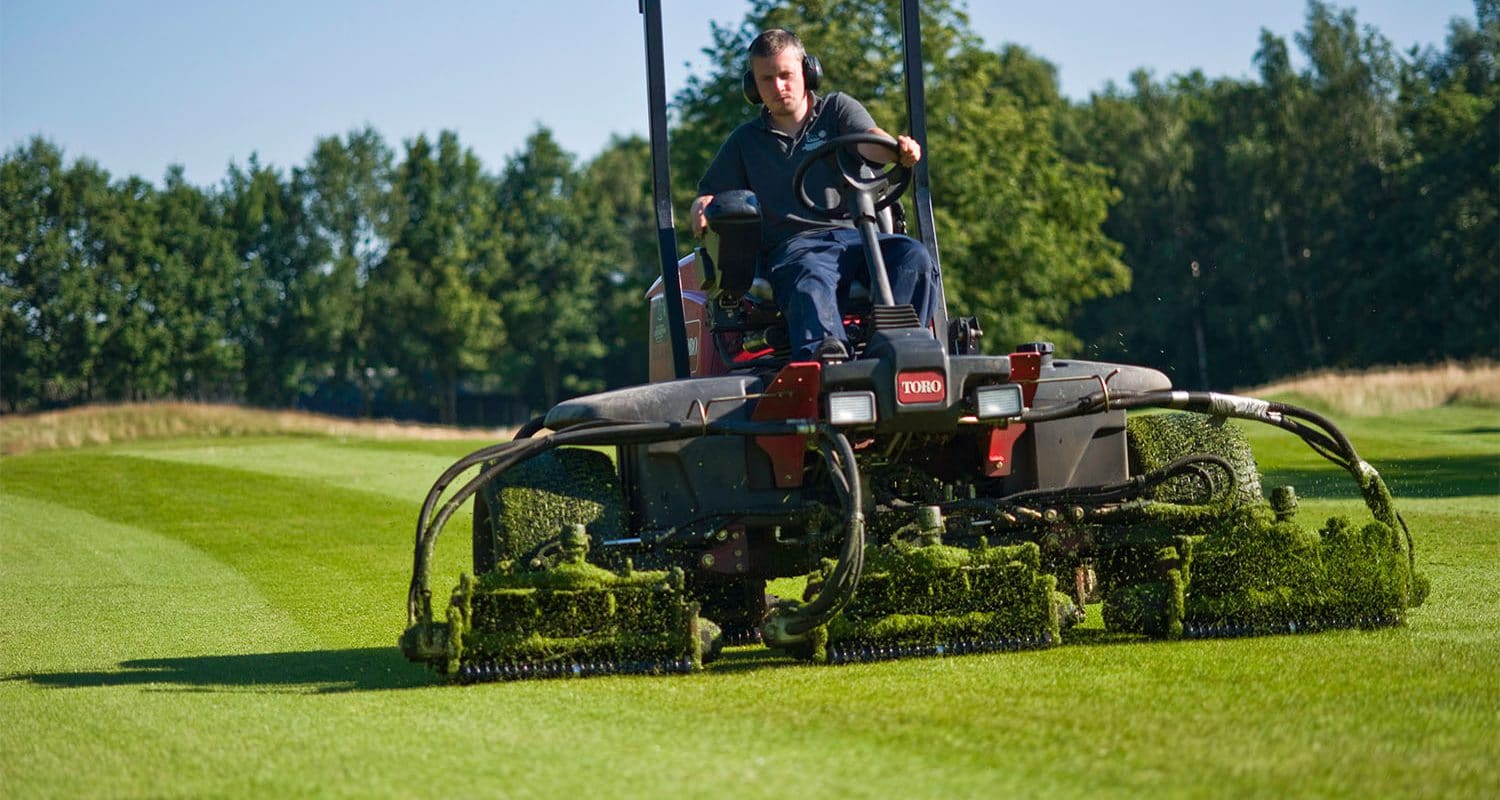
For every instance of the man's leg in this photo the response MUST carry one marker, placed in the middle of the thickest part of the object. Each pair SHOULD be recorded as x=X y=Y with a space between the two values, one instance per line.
x=913 y=279
x=804 y=273
x=907 y=266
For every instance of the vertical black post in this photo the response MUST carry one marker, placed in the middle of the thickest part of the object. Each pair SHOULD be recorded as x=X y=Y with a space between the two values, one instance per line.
x=661 y=186
x=916 y=116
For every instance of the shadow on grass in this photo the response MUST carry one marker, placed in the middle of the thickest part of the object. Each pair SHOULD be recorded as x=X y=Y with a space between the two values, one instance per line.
x=317 y=671
x=738 y=660
x=1446 y=476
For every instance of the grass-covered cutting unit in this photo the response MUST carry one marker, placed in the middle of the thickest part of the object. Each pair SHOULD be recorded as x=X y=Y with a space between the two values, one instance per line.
x=939 y=501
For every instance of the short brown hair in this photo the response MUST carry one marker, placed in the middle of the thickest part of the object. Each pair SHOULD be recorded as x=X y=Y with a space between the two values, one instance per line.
x=773 y=41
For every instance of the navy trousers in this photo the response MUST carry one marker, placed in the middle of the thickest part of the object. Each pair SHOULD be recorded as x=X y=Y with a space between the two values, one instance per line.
x=811 y=274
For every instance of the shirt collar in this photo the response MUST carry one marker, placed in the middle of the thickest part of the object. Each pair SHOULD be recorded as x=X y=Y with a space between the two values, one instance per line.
x=817 y=106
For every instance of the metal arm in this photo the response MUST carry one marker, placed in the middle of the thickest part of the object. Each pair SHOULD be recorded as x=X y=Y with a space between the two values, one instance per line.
x=916 y=116
x=661 y=186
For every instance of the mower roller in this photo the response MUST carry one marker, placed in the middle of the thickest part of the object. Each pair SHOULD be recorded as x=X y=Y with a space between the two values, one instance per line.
x=935 y=500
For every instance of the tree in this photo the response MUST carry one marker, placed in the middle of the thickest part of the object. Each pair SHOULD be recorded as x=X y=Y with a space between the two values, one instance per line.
x=615 y=193
x=434 y=319
x=278 y=311
x=550 y=303
x=349 y=202
x=1307 y=203
x=1447 y=232
x=46 y=294
x=196 y=292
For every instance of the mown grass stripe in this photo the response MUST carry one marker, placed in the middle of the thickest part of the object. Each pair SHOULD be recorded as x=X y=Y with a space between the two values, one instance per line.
x=88 y=592
x=1408 y=711
x=332 y=558
x=394 y=469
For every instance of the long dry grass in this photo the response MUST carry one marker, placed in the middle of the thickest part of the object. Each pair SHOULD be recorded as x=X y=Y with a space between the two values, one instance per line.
x=1390 y=390
x=1374 y=392
x=114 y=424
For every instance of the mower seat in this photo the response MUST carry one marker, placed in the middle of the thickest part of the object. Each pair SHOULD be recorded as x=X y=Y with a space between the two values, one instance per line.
x=731 y=244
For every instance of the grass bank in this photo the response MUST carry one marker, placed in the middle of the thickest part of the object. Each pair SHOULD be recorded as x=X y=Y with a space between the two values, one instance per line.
x=130 y=422
x=1392 y=390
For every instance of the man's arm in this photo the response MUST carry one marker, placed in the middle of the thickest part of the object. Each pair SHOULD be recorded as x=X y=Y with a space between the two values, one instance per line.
x=700 y=222
x=725 y=172
x=853 y=117
x=910 y=152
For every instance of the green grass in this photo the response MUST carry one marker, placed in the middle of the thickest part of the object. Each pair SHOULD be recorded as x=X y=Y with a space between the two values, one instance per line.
x=218 y=617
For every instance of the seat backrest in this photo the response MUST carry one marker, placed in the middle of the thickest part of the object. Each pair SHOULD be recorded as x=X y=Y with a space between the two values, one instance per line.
x=731 y=243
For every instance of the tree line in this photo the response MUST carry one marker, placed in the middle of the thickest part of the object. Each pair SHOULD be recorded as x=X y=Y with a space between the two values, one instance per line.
x=1229 y=231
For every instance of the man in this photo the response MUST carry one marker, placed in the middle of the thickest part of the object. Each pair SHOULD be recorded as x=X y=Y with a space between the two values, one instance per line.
x=810 y=262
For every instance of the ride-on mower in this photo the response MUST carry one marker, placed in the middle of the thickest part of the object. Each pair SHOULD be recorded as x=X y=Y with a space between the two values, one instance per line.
x=937 y=501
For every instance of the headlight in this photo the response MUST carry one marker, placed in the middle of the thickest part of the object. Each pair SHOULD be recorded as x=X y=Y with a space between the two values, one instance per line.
x=998 y=402
x=851 y=408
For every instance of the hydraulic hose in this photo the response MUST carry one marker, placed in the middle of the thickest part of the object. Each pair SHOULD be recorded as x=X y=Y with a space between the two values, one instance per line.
x=838 y=590
x=1313 y=428
x=506 y=455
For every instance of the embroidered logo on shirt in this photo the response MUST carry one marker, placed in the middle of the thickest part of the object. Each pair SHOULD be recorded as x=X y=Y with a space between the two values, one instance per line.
x=815 y=140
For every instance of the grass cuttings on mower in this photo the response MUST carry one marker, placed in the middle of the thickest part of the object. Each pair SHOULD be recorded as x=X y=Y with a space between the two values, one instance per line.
x=1182 y=544
x=923 y=597
x=572 y=618
x=1246 y=566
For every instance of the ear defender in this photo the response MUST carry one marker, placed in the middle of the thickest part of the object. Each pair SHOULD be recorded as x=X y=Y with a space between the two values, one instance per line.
x=812 y=77
x=812 y=72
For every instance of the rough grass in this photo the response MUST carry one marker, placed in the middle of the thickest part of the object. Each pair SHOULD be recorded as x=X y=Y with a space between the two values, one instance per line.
x=218 y=617
x=1392 y=390
x=113 y=424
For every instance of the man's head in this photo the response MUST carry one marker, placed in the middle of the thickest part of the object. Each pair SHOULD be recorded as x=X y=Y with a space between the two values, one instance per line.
x=781 y=73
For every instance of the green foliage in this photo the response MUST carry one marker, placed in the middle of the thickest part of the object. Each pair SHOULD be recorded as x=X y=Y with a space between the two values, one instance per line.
x=281 y=319
x=431 y=296
x=617 y=185
x=549 y=304
x=1279 y=225
x=349 y=200
x=1228 y=231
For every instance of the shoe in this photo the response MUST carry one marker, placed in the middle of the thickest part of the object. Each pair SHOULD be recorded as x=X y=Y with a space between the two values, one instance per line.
x=831 y=351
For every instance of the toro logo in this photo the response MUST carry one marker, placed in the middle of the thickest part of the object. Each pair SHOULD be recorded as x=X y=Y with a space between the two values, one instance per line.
x=921 y=387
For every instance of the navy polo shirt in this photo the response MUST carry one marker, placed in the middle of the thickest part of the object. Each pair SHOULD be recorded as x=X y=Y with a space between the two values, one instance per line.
x=762 y=159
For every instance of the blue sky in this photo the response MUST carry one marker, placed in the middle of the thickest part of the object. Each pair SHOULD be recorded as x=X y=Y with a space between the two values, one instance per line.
x=137 y=85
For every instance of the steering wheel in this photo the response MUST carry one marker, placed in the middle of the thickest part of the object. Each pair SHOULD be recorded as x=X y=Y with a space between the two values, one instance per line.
x=843 y=158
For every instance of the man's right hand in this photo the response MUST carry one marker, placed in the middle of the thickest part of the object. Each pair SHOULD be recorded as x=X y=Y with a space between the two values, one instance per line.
x=700 y=220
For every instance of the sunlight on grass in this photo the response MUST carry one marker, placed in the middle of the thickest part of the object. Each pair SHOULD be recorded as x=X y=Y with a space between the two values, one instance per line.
x=218 y=617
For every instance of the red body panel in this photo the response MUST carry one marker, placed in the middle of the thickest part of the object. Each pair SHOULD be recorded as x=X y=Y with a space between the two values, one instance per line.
x=792 y=395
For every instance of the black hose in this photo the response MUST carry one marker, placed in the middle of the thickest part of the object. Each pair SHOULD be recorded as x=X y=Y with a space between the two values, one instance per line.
x=838 y=590
x=507 y=455
x=1316 y=430
x=1133 y=487
x=531 y=428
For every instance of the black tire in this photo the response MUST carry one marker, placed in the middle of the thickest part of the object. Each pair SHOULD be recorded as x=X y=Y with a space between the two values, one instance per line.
x=531 y=504
x=1156 y=440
